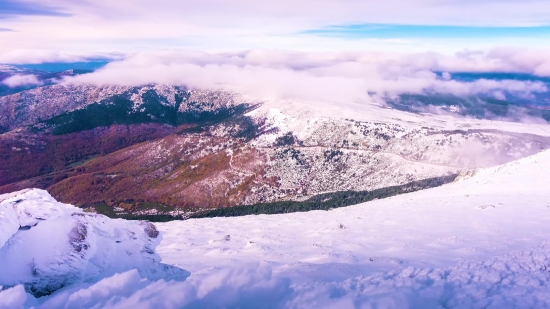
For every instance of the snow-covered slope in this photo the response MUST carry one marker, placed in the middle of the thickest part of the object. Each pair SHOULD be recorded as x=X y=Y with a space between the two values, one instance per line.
x=46 y=245
x=518 y=280
x=494 y=212
x=481 y=242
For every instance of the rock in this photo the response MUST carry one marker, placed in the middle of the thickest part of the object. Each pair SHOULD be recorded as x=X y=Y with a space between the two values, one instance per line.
x=49 y=245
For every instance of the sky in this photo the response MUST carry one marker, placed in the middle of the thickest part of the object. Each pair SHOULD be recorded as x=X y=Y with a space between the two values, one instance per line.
x=308 y=49
x=34 y=31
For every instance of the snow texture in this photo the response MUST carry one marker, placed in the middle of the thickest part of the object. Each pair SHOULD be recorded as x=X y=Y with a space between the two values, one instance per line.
x=490 y=212
x=519 y=280
x=46 y=245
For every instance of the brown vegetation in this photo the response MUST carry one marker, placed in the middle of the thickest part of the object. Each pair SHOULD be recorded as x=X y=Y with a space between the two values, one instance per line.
x=184 y=171
x=26 y=155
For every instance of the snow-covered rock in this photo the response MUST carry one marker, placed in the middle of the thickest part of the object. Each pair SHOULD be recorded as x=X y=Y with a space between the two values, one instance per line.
x=46 y=245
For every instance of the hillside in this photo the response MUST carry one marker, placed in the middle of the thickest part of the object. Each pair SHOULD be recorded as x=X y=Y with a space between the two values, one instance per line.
x=166 y=150
x=478 y=242
x=418 y=242
x=486 y=213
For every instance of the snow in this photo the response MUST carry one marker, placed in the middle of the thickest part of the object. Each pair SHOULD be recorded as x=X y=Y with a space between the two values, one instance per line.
x=298 y=112
x=496 y=211
x=519 y=280
x=480 y=242
x=46 y=245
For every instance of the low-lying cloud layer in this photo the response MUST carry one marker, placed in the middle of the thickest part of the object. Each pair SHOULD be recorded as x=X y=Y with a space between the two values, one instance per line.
x=21 y=80
x=37 y=56
x=327 y=76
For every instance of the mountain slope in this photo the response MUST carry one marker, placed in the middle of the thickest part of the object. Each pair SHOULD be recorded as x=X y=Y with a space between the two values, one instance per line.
x=494 y=212
x=480 y=242
x=159 y=149
x=205 y=170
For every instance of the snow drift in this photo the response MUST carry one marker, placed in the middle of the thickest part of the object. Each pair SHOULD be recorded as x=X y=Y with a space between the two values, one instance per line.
x=46 y=245
x=517 y=280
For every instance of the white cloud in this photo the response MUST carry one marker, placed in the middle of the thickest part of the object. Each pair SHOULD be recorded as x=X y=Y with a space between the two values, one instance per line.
x=129 y=26
x=21 y=80
x=307 y=13
x=344 y=76
x=34 y=56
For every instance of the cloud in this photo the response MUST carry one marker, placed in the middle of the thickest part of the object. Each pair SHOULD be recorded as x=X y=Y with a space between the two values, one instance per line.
x=139 y=25
x=37 y=56
x=345 y=76
x=22 y=80
x=309 y=13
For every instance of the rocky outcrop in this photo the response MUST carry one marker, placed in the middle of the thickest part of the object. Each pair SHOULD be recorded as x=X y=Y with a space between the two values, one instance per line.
x=46 y=245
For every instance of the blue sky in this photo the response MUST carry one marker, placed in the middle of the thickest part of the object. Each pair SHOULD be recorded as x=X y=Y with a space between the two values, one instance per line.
x=14 y=8
x=429 y=31
x=91 y=64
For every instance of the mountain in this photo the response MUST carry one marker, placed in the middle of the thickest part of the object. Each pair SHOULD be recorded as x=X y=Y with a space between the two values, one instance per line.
x=448 y=209
x=167 y=150
x=480 y=107
x=480 y=241
x=477 y=241
x=71 y=108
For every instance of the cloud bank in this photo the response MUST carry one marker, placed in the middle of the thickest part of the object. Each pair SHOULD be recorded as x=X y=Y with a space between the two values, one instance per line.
x=340 y=76
x=22 y=80
x=216 y=25
x=37 y=56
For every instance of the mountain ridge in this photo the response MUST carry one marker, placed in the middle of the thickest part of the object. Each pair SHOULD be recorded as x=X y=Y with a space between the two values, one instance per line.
x=180 y=150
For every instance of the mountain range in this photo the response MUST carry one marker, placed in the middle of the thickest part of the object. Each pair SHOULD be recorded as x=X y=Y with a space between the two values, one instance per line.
x=165 y=151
